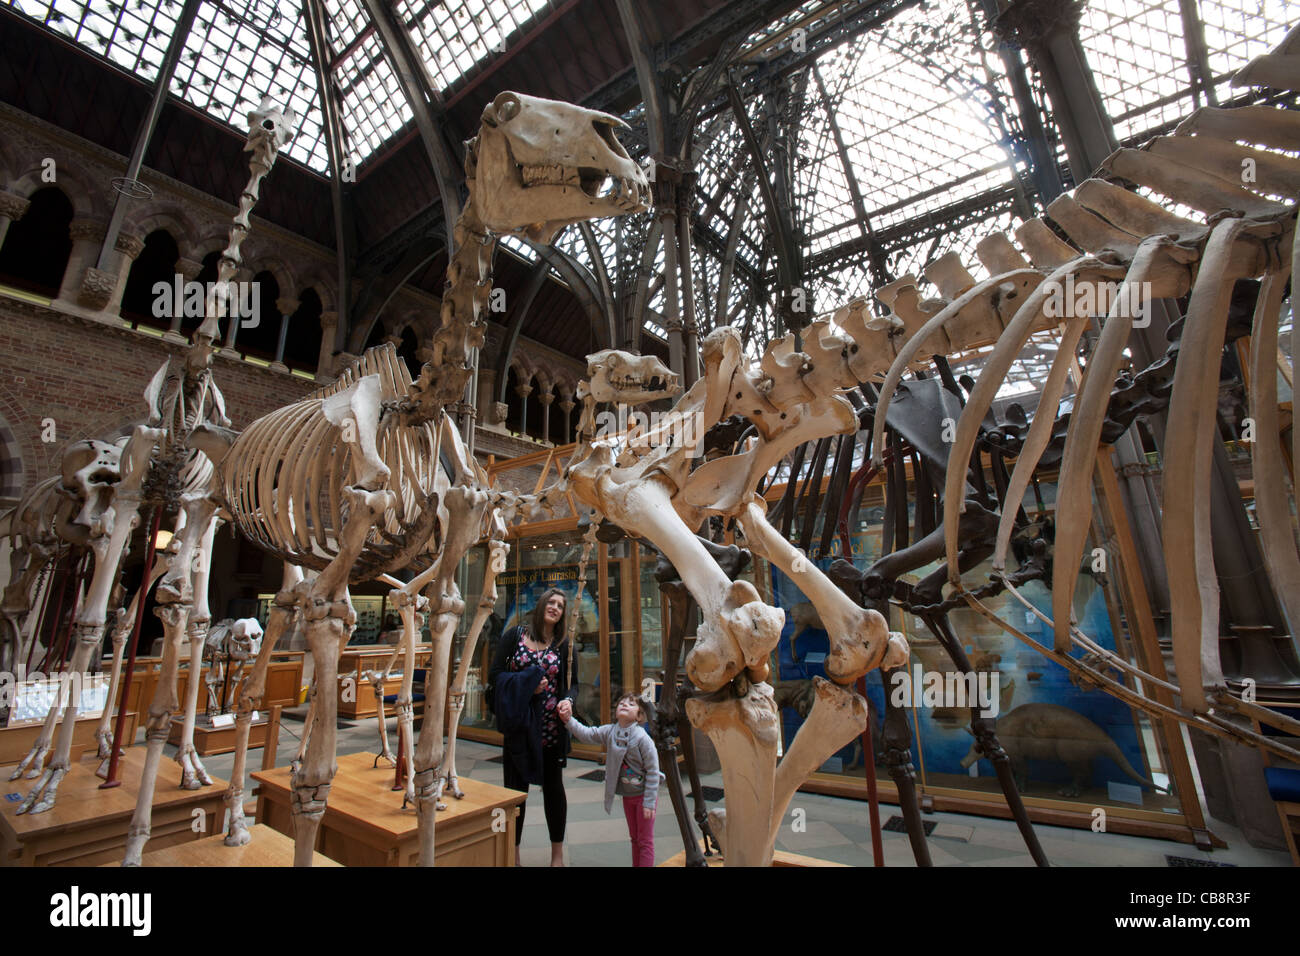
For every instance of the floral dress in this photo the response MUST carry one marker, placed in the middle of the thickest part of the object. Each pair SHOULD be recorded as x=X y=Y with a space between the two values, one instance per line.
x=549 y=662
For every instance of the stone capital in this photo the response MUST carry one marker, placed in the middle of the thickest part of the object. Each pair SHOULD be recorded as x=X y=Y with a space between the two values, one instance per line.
x=189 y=268
x=287 y=305
x=524 y=389
x=97 y=288
x=499 y=411
x=13 y=207
x=567 y=406
x=89 y=230
x=546 y=397
x=129 y=245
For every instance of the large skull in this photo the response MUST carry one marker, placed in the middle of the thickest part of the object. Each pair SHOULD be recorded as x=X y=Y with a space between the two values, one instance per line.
x=542 y=165
x=245 y=639
x=90 y=468
x=269 y=128
x=615 y=376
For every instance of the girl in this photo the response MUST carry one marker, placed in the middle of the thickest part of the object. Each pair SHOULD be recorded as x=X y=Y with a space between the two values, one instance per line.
x=631 y=769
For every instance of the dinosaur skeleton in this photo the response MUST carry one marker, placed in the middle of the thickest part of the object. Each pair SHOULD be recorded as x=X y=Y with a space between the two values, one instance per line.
x=1127 y=238
x=1126 y=244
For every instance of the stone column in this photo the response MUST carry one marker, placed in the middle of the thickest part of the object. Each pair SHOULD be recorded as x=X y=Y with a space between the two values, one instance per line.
x=487 y=378
x=566 y=405
x=189 y=270
x=87 y=235
x=287 y=306
x=128 y=248
x=12 y=208
x=233 y=321
x=546 y=398
x=523 y=390
x=324 y=363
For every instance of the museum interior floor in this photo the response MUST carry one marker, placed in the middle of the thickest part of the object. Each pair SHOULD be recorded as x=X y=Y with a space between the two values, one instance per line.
x=836 y=828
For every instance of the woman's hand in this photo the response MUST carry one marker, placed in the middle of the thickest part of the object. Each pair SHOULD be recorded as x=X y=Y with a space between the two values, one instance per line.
x=541 y=687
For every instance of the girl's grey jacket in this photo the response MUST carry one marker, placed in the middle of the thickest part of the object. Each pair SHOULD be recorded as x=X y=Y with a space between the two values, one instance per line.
x=631 y=743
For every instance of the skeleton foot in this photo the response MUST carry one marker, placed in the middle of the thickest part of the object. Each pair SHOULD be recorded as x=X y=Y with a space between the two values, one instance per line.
x=34 y=760
x=136 y=837
x=45 y=792
x=193 y=774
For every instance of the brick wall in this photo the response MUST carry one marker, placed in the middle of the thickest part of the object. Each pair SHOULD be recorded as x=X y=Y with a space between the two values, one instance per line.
x=90 y=379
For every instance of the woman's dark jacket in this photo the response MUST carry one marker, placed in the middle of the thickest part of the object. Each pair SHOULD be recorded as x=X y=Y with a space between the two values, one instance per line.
x=506 y=648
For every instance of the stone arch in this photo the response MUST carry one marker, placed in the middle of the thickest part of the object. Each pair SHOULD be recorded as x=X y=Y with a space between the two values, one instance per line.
x=255 y=261
x=318 y=280
x=11 y=462
x=170 y=217
x=87 y=203
x=10 y=162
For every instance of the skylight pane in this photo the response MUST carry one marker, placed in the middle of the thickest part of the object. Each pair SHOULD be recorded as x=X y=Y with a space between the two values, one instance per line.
x=452 y=37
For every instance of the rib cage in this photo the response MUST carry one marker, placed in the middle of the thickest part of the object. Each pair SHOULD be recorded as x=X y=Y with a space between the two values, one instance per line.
x=282 y=480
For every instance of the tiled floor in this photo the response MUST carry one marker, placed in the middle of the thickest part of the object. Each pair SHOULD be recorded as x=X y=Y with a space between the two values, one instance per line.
x=831 y=828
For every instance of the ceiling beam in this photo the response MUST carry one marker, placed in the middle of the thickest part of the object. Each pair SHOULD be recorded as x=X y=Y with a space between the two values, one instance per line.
x=426 y=106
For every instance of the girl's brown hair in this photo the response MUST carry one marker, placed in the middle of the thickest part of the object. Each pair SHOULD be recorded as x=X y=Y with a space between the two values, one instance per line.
x=635 y=698
x=537 y=619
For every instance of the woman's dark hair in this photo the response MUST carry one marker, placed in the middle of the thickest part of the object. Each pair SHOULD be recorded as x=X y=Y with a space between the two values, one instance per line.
x=537 y=619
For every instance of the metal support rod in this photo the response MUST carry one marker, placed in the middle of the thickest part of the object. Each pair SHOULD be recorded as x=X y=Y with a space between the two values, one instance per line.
x=165 y=71
x=317 y=37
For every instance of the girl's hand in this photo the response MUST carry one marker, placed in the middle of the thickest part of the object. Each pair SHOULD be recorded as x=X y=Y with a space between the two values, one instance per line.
x=541 y=687
x=648 y=813
x=564 y=709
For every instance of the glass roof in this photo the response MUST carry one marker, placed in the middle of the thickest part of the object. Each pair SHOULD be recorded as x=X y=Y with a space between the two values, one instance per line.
x=242 y=50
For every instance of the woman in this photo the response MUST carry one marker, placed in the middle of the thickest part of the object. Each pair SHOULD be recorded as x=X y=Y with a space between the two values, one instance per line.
x=541 y=644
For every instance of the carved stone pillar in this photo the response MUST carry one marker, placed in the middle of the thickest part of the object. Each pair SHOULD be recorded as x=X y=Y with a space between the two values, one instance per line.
x=287 y=306
x=87 y=234
x=233 y=321
x=546 y=398
x=189 y=270
x=523 y=390
x=128 y=248
x=12 y=208
x=324 y=363
x=566 y=406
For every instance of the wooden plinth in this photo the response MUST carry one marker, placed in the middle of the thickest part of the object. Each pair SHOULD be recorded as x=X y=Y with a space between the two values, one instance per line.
x=356 y=694
x=87 y=826
x=218 y=740
x=780 y=858
x=364 y=824
x=268 y=848
x=16 y=742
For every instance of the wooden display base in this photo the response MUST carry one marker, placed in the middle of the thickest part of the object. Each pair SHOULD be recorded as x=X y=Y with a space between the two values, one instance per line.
x=780 y=858
x=16 y=742
x=269 y=848
x=87 y=826
x=217 y=740
x=364 y=824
